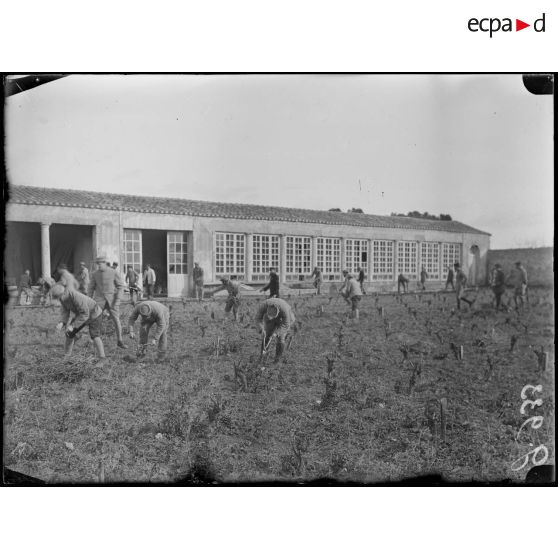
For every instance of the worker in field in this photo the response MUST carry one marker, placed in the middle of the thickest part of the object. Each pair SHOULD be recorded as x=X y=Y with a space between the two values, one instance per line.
x=66 y=278
x=361 y=278
x=351 y=293
x=83 y=278
x=318 y=279
x=402 y=283
x=233 y=300
x=273 y=284
x=460 y=284
x=133 y=279
x=85 y=311
x=275 y=319
x=498 y=284
x=449 y=279
x=423 y=278
x=151 y=312
x=149 y=280
x=198 y=281
x=106 y=288
x=519 y=277
x=24 y=286
x=45 y=285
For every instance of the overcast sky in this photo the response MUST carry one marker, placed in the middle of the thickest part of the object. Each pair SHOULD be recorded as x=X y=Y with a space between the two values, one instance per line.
x=477 y=147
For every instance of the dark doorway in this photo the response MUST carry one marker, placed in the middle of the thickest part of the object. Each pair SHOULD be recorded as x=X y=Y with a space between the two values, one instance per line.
x=154 y=252
x=70 y=244
x=22 y=250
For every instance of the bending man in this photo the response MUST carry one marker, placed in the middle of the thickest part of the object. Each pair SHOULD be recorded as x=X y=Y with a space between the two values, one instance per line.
x=151 y=312
x=275 y=318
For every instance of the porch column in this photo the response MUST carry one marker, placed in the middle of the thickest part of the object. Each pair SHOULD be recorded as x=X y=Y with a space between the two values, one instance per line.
x=249 y=258
x=45 y=250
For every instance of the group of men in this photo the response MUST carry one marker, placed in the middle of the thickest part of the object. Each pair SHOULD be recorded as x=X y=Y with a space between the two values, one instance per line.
x=518 y=278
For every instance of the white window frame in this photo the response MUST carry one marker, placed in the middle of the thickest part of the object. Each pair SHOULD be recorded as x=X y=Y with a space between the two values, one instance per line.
x=382 y=260
x=430 y=259
x=132 y=257
x=229 y=254
x=265 y=254
x=354 y=250
x=328 y=257
x=298 y=257
x=451 y=254
x=177 y=253
x=407 y=258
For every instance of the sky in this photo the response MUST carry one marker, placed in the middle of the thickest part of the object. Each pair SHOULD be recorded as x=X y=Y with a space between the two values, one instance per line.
x=479 y=147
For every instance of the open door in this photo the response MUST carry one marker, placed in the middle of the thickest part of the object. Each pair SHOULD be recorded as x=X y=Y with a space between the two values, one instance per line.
x=177 y=264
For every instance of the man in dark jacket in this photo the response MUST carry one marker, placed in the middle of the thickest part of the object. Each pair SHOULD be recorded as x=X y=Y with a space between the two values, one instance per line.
x=273 y=284
x=498 y=284
x=449 y=279
x=361 y=278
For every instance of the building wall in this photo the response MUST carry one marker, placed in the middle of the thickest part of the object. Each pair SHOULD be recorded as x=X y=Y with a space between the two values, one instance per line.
x=109 y=225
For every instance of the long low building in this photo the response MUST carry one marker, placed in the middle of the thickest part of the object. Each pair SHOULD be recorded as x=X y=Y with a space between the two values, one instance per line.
x=47 y=226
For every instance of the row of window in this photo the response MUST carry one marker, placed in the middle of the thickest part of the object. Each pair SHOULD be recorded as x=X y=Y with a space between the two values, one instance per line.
x=387 y=256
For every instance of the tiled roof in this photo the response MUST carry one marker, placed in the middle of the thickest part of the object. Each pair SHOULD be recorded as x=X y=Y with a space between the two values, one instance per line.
x=32 y=195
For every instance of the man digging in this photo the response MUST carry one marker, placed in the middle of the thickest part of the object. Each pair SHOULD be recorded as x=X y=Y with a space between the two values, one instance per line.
x=86 y=312
x=275 y=318
x=151 y=312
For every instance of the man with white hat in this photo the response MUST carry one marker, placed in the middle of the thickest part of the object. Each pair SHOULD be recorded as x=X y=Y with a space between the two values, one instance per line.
x=86 y=312
x=151 y=312
x=275 y=318
x=106 y=287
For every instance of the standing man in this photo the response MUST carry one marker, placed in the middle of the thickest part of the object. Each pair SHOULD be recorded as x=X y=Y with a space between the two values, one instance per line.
x=24 y=285
x=133 y=280
x=460 y=284
x=361 y=278
x=351 y=293
x=106 y=288
x=317 y=274
x=423 y=278
x=498 y=283
x=83 y=278
x=86 y=311
x=449 y=279
x=402 y=282
x=66 y=278
x=520 y=284
x=151 y=312
x=273 y=284
x=149 y=280
x=198 y=281
x=275 y=318
x=233 y=301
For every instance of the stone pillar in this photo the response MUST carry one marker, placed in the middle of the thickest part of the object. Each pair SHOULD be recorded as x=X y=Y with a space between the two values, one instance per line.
x=342 y=254
x=249 y=258
x=45 y=250
x=282 y=259
x=314 y=248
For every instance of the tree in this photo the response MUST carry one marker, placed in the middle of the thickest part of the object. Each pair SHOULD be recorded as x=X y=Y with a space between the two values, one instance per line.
x=355 y=210
x=334 y=209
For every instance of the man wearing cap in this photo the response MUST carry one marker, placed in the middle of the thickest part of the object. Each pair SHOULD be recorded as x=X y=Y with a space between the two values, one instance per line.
x=351 y=292
x=233 y=301
x=460 y=283
x=198 y=281
x=83 y=278
x=106 y=288
x=520 y=284
x=85 y=310
x=498 y=284
x=273 y=284
x=151 y=312
x=275 y=318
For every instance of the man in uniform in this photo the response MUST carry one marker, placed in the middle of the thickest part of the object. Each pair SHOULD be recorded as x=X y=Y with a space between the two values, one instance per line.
x=361 y=278
x=83 y=278
x=449 y=279
x=106 y=288
x=423 y=278
x=273 y=284
x=520 y=284
x=233 y=301
x=151 y=312
x=275 y=318
x=351 y=293
x=317 y=274
x=24 y=286
x=198 y=281
x=85 y=310
x=402 y=282
x=460 y=284
x=133 y=280
x=498 y=284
